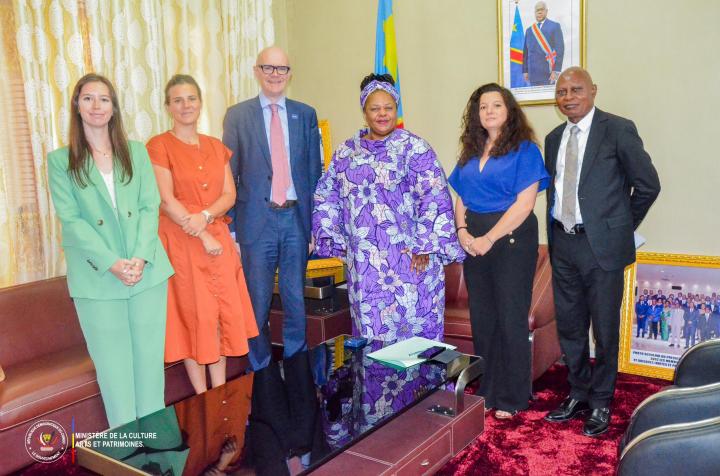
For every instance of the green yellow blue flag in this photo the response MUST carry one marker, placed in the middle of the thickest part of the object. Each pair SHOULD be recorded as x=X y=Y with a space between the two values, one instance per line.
x=517 y=42
x=386 y=60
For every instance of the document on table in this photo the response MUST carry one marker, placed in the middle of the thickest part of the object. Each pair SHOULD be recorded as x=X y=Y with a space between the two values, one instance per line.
x=404 y=354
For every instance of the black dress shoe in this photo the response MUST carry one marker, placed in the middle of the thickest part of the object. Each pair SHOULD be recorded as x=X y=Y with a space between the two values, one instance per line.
x=567 y=410
x=598 y=422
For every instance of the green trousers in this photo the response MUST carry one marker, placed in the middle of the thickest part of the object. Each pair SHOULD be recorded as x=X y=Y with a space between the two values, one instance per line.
x=126 y=341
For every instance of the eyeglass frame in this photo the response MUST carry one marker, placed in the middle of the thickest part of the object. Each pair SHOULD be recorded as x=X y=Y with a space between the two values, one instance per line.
x=275 y=69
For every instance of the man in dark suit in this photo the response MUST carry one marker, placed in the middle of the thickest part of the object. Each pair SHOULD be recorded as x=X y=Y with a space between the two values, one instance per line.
x=692 y=318
x=715 y=321
x=603 y=183
x=704 y=323
x=276 y=164
x=641 y=312
x=543 y=49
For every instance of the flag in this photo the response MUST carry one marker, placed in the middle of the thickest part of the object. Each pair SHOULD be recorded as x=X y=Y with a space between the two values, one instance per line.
x=386 y=61
x=517 y=42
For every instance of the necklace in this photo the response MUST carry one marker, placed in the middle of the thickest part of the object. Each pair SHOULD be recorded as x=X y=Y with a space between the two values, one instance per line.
x=101 y=164
x=105 y=155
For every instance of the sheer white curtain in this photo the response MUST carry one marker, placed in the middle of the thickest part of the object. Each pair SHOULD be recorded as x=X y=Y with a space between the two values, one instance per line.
x=48 y=45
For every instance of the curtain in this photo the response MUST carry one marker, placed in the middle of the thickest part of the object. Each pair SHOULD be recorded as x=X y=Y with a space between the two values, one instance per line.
x=48 y=45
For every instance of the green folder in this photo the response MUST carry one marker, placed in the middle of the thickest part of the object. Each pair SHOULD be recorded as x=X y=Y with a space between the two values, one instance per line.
x=404 y=354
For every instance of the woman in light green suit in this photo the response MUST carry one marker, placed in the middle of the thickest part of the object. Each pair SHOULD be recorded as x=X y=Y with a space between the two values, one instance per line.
x=107 y=200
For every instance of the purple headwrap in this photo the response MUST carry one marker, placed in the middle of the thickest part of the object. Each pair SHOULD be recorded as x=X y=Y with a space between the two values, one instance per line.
x=375 y=85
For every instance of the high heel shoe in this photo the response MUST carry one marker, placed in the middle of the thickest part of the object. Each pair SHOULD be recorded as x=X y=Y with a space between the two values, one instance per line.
x=505 y=415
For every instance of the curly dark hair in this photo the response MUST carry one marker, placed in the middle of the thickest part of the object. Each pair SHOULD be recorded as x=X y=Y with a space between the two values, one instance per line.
x=383 y=78
x=474 y=136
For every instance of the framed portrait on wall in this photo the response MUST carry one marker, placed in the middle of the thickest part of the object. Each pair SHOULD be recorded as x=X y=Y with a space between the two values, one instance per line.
x=671 y=302
x=536 y=41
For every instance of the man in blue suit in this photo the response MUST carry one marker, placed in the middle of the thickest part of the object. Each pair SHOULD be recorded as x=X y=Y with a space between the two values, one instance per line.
x=543 y=50
x=641 y=311
x=276 y=164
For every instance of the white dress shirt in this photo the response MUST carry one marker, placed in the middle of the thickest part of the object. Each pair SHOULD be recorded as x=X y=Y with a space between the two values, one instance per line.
x=584 y=126
x=109 y=180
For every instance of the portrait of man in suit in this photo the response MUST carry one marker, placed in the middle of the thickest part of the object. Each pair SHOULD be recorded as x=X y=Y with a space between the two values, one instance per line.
x=276 y=163
x=602 y=185
x=543 y=50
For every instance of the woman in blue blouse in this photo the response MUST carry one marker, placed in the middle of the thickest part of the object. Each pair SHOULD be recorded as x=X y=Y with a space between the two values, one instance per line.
x=498 y=176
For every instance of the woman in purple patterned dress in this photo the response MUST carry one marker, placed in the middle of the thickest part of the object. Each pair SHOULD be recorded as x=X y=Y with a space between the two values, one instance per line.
x=383 y=206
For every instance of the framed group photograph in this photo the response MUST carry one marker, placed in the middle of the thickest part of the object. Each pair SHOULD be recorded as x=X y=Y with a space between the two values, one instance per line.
x=536 y=41
x=671 y=302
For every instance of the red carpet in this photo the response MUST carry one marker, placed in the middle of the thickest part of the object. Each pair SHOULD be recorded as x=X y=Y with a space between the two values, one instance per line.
x=63 y=466
x=528 y=445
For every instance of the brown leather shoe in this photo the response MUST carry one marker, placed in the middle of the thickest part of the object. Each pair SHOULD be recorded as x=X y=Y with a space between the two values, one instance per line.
x=568 y=409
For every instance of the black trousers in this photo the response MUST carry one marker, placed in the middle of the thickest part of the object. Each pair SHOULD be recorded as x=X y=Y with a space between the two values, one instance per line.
x=654 y=329
x=499 y=292
x=586 y=294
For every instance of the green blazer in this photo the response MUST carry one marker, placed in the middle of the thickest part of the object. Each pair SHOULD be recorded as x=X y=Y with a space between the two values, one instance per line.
x=94 y=236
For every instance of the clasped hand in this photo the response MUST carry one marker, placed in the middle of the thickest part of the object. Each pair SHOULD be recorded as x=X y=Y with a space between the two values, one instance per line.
x=212 y=246
x=193 y=224
x=128 y=271
x=418 y=263
x=474 y=246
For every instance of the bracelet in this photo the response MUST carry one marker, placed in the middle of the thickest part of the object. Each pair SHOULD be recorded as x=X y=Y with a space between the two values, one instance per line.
x=460 y=228
x=488 y=238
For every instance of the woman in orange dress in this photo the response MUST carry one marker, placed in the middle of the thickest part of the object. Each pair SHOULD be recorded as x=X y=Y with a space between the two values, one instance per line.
x=209 y=311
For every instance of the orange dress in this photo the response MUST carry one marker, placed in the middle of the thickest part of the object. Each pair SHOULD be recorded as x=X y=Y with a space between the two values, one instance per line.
x=209 y=311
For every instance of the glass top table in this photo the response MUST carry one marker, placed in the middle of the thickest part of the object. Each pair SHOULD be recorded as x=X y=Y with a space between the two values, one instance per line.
x=350 y=397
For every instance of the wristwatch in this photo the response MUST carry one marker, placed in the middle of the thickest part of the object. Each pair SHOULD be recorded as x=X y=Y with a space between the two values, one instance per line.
x=208 y=216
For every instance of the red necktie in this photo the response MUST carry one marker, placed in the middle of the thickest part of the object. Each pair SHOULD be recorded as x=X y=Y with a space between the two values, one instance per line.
x=281 y=172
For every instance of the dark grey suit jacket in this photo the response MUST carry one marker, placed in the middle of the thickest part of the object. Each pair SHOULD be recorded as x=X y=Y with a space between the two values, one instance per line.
x=618 y=184
x=244 y=134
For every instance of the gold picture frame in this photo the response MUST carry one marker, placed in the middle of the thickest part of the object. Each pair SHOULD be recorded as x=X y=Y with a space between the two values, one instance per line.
x=568 y=21
x=326 y=266
x=665 y=274
x=325 y=142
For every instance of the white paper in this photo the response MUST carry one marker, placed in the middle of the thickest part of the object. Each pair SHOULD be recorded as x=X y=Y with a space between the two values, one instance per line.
x=639 y=240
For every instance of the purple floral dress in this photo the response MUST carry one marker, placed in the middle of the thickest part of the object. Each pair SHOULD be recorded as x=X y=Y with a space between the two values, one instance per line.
x=379 y=203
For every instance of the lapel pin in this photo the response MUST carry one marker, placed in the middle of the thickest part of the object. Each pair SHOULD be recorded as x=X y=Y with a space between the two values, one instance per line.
x=293 y=116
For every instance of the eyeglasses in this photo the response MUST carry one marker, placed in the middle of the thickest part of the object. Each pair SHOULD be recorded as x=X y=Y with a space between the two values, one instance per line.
x=270 y=69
